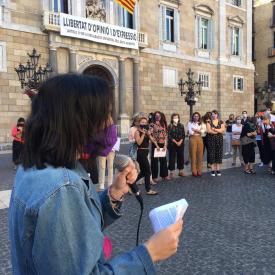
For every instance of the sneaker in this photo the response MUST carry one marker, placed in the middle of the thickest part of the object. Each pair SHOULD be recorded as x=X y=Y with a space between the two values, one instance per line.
x=219 y=173
x=213 y=174
x=227 y=153
x=261 y=164
x=151 y=192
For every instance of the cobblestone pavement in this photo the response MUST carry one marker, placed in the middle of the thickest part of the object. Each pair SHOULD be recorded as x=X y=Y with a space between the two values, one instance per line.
x=229 y=225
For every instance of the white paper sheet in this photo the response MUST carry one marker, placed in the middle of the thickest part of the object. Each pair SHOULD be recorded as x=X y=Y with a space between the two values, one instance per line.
x=165 y=215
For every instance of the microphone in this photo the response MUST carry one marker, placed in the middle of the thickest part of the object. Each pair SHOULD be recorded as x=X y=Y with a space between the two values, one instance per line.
x=121 y=162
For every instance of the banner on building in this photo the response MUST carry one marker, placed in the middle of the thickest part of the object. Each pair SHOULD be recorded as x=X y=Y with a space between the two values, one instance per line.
x=96 y=31
x=129 y=5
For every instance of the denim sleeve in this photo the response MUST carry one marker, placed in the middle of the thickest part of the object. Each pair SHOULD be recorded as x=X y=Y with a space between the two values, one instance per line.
x=68 y=240
x=109 y=215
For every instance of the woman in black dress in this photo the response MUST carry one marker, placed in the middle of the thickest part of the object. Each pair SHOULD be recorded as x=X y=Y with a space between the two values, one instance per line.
x=215 y=131
x=248 y=142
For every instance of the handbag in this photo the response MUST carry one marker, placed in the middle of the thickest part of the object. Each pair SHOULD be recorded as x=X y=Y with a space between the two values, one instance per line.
x=236 y=142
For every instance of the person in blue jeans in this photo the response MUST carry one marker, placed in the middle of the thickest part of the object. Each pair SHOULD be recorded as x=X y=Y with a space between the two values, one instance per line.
x=56 y=218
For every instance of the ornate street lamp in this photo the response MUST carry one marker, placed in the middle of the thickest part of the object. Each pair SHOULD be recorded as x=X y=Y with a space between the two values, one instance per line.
x=190 y=89
x=267 y=93
x=30 y=77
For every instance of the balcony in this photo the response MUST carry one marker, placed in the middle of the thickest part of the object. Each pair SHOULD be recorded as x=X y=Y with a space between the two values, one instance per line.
x=271 y=52
x=51 y=22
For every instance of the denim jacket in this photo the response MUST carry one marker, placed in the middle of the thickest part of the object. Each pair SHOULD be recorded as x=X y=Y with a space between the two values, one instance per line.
x=56 y=220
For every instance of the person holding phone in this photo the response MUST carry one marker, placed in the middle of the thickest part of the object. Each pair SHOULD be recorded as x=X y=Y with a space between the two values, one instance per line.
x=56 y=217
x=143 y=137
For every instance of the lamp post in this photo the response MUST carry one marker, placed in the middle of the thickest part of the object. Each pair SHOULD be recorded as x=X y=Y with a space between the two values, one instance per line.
x=31 y=76
x=267 y=93
x=190 y=89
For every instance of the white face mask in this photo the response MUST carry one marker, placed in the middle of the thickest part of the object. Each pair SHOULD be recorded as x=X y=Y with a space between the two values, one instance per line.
x=239 y=121
x=175 y=120
x=259 y=120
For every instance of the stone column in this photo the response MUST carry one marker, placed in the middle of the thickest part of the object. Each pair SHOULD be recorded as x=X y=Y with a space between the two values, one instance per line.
x=136 y=90
x=122 y=87
x=53 y=60
x=123 y=119
x=72 y=61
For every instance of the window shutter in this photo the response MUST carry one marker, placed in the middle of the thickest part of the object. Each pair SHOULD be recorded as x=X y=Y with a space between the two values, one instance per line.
x=273 y=16
x=210 y=35
x=198 y=32
x=240 y=42
x=232 y=40
x=162 y=22
x=177 y=25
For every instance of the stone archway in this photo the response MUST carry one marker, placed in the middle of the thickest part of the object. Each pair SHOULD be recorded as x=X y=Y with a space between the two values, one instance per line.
x=105 y=72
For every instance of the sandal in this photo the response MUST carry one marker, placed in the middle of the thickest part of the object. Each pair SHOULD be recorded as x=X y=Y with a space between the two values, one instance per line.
x=151 y=192
x=252 y=171
x=181 y=174
x=166 y=179
x=247 y=172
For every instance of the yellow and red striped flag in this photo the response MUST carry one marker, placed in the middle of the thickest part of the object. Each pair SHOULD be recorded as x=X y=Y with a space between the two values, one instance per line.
x=129 y=5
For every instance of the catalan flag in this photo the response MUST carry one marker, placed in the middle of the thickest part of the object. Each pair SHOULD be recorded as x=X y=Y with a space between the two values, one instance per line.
x=129 y=5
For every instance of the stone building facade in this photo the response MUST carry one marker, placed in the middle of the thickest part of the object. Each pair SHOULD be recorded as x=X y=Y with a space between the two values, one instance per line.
x=211 y=37
x=264 y=51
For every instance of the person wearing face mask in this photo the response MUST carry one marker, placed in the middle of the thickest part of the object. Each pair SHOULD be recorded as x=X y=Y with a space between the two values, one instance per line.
x=176 y=136
x=266 y=143
x=206 y=119
x=195 y=144
x=142 y=138
x=259 y=137
x=248 y=142
x=228 y=126
x=236 y=143
x=159 y=132
x=215 y=130
x=244 y=115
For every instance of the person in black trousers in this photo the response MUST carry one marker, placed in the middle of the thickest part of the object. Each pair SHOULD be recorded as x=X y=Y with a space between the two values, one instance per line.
x=159 y=132
x=248 y=142
x=176 y=136
x=142 y=139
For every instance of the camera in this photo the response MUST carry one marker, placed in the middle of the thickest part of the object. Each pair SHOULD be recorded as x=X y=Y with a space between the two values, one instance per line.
x=144 y=127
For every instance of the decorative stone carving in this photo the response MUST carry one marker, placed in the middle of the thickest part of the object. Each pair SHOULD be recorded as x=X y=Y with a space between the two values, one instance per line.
x=95 y=10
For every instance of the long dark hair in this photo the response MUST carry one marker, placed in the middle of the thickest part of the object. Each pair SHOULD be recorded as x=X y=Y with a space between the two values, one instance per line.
x=163 y=121
x=67 y=113
x=196 y=113
x=172 y=117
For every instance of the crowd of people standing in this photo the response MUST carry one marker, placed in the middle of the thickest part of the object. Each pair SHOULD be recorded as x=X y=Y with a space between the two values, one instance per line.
x=206 y=136
x=158 y=146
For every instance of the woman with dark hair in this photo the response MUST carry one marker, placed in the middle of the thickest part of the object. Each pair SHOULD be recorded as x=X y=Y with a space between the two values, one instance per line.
x=215 y=131
x=248 y=142
x=205 y=119
x=176 y=136
x=195 y=144
x=159 y=133
x=56 y=217
x=143 y=137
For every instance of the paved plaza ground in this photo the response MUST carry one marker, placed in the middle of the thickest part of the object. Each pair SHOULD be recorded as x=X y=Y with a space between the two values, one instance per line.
x=229 y=226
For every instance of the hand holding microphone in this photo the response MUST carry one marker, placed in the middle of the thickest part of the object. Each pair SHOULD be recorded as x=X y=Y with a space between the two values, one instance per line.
x=124 y=180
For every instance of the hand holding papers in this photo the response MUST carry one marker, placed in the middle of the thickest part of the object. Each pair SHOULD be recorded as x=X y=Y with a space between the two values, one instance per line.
x=165 y=215
x=159 y=154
